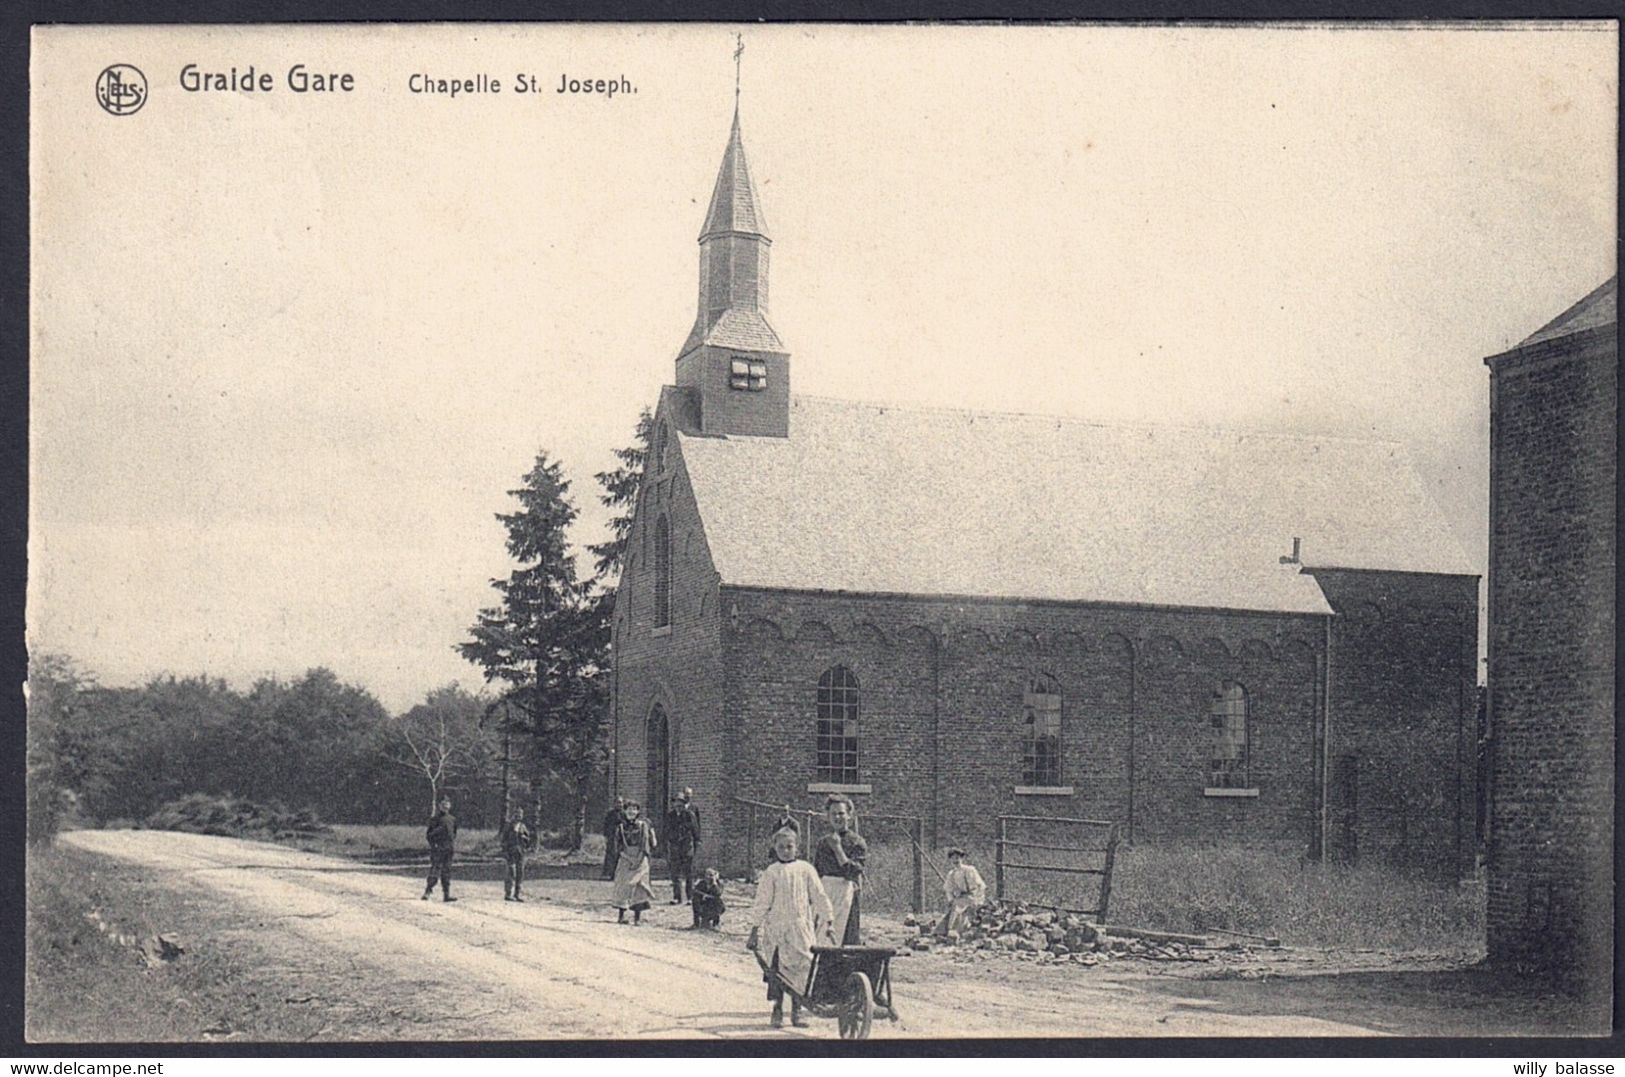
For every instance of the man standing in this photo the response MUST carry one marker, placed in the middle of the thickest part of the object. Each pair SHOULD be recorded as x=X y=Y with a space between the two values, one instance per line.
x=442 y=840
x=682 y=838
x=612 y=827
x=515 y=840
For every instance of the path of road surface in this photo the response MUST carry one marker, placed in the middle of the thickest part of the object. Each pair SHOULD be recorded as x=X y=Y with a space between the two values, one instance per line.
x=560 y=969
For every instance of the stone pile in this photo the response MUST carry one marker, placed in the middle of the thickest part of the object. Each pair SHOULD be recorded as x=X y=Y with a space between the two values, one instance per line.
x=1043 y=935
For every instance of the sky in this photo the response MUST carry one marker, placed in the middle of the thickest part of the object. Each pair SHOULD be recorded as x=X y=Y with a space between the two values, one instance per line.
x=290 y=351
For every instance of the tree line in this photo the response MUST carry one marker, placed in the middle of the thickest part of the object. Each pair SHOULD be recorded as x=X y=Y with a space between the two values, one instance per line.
x=535 y=735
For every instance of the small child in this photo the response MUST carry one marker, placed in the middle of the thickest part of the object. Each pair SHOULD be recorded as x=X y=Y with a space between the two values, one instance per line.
x=792 y=912
x=706 y=898
x=964 y=890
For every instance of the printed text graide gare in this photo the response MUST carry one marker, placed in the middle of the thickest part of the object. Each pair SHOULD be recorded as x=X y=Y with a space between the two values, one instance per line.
x=299 y=79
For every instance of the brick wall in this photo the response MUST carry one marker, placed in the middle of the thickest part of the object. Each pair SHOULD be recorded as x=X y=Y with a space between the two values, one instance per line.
x=942 y=685
x=1551 y=679
x=1404 y=718
x=679 y=666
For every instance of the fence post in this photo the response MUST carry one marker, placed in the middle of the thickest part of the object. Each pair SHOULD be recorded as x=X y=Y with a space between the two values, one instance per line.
x=750 y=841
x=1106 y=876
x=998 y=863
x=918 y=826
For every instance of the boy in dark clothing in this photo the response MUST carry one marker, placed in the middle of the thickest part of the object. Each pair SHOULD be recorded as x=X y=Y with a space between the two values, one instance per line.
x=682 y=839
x=707 y=900
x=515 y=840
x=442 y=840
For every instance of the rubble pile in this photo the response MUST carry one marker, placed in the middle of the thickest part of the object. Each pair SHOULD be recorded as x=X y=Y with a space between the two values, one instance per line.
x=1043 y=935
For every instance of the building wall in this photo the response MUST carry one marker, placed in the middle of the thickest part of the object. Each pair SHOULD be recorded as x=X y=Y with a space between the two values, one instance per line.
x=679 y=667
x=942 y=685
x=1551 y=679
x=1403 y=732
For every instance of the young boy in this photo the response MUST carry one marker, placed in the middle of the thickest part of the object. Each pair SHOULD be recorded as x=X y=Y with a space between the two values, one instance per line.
x=442 y=834
x=791 y=913
x=964 y=889
x=515 y=840
x=839 y=859
x=707 y=900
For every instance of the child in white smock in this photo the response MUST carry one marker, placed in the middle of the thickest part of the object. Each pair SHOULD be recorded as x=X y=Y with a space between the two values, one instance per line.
x=792 y=912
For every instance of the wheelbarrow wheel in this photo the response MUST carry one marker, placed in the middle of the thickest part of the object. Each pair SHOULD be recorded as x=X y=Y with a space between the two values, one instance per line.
x=859 y=1012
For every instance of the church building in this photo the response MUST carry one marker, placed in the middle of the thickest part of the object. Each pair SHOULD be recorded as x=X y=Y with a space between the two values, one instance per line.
x=1204 y=636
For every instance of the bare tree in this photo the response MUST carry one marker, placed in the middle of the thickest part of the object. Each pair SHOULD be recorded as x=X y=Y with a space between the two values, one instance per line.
x=440 y=737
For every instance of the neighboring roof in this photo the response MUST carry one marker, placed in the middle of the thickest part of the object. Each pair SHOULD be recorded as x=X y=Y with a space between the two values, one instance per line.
x=1596 y=309
x=879 y=498
x=735 y=206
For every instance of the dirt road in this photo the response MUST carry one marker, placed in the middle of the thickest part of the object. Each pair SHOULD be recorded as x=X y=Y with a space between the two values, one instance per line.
x=563 y=968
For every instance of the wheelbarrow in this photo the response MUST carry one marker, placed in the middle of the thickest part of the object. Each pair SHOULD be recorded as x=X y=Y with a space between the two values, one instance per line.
x=849 y=983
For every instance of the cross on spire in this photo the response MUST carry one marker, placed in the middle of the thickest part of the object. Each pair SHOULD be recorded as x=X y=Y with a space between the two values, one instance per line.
x=739 y=50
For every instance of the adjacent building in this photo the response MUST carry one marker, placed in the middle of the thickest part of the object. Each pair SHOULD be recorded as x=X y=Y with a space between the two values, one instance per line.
x=1550 y=704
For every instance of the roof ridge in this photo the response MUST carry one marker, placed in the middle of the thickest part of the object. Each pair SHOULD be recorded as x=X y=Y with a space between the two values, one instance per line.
x=944 y=409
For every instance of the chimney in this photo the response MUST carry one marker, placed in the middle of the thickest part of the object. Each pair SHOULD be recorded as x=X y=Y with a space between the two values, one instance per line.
x=1297 y=552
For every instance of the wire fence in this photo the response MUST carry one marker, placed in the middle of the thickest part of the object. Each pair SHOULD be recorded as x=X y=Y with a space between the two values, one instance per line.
x=894 y=875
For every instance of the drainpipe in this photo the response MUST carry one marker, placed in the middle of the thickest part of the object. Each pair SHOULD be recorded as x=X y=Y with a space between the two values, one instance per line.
x=1133 y=705
x=936 y=734
x=1326 y=743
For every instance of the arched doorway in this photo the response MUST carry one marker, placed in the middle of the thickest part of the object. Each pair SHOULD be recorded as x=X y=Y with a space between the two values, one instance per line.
x=657 y=751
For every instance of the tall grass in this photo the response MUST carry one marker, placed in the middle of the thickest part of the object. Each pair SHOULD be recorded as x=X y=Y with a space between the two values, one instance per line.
x=1196 y=889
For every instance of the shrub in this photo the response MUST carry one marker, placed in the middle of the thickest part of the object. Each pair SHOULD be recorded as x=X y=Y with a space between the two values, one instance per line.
x=230 y=816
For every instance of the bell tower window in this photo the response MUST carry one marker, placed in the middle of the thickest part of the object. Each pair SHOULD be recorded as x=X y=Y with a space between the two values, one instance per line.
x=749 y=375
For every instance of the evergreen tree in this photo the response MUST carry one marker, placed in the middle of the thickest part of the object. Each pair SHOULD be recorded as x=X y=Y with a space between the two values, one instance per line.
x=620 y=493
x=545 y=641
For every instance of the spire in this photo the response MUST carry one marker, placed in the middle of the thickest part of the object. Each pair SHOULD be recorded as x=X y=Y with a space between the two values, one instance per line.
x=733 y=364
x=735 y=207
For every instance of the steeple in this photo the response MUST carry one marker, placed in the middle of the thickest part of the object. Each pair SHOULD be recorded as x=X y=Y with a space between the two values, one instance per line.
x=735 y=205
x=732 y=356
x=733 y=260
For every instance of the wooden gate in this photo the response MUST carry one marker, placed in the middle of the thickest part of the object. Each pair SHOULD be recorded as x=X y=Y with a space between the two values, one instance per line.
x=1069 y=848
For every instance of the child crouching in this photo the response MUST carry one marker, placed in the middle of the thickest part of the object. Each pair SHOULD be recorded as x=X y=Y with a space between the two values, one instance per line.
x=707 y=900
x=792 y=912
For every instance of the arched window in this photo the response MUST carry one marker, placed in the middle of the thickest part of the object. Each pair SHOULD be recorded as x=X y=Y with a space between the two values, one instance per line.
x=657 y=760
x=838 y=726
x=660 y=449
x=1041 y=732
x=662 y=572
x=1227 y=726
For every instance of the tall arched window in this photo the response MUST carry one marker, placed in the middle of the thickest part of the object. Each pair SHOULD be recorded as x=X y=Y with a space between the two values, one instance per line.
x=838 y=726
x=1041 y=732
x=660 y=449
x=662 y=572
x=657 y=760
x=1227 y=726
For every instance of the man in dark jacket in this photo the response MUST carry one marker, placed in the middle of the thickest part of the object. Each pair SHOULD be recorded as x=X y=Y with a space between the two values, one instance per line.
x=515 y=838
x=682 y=840
x=442 y=840
x=612 y=826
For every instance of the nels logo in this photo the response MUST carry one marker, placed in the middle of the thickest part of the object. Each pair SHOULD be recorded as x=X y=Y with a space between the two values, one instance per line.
x=121 y=89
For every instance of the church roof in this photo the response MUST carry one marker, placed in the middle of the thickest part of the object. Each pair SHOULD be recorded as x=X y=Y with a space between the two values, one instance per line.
x=1596 y=309
x=735 y=206
x=879 y=498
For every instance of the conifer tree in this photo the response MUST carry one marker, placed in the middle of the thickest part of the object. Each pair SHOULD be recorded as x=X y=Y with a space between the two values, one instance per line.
x=545 y=642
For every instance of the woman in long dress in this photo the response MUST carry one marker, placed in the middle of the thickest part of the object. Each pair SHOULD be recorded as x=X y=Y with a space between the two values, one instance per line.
x=636 y=840
x=791 y=913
